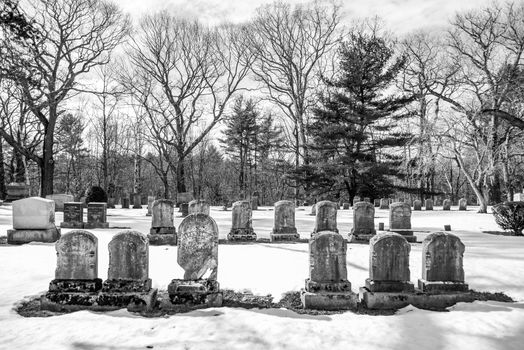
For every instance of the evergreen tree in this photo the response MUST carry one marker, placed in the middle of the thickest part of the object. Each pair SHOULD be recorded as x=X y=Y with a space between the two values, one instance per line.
x=355 y=131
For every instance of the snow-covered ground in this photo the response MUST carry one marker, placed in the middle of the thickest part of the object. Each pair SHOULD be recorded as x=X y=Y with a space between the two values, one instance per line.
x=492 y=263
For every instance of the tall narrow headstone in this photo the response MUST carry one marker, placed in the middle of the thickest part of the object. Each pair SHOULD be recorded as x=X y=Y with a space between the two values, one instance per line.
x=446 y=205
x=384 y=203
x=417 y=205
x=463 y=204
x=150 y=200
x=137 y=201
x=73 y=215
x=254 y=203
x=442 y=260
x=376 y=203
x=326 y=217
x=400 y=220
x=125 y=203
x=363 y=222
x=284 y=225
x=241 y=228
x=162 y=230
x=96 y=215
x=33 y=221
x=345 y=206
x=198 y=206
x=429 y=204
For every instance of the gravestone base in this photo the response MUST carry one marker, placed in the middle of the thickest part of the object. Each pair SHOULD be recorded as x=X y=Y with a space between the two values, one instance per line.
x=193 y=294
x=49 y=235
x=389 y=286
x=384 y=300
x=163 y=238
x=360 y=238
x=76 y=286
x=407 y=234
x=329 y=300
x=92 y=225
x=71 y=224
x=76 y=293
x=314 y=287
x=136 y=296
x=441 y=286
x=285 y=234
x=242 y=234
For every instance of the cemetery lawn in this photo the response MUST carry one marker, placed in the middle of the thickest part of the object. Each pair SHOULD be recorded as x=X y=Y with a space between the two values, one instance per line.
x=492 y=263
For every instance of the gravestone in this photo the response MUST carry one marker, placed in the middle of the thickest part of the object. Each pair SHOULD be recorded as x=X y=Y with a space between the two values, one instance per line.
x=73 y=215
x=150 y=200
x=384 y=203
x=128 y=283
x=60 y=199
x=198 y=256
x=242 y=229
x=96 y=215
x=345 y=206
x=417 y=205
x=33 y=221
x=137 y=201
x=367 y=199
x=183 y=197
x=356 y=199
x=76 y=276
x=111 y=203
x=198 y=206
x=363 y=222
x=284 y=223
x=125 y=203
x=326 y=217
x=376 y=203
x=442 y=259
x=327 y=287
x=463 y=204
x=16 y=191
x=162 y=230
x=400 y=220
x=254 y=203
x=313 y=211
x=446 y=205
x=429 y=204
x=184 y=209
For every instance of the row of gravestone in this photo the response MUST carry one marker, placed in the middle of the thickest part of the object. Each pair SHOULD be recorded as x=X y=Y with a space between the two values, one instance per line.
x=77 y=286
x=428 y=204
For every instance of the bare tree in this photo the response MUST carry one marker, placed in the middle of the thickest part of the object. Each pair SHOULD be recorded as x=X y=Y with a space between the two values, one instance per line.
x=72 y=37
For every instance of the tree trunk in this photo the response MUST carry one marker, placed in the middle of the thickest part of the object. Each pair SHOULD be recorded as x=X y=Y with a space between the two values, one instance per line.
x=477 y=189
x=3 y=191
x=47 y=168
x=180 y=175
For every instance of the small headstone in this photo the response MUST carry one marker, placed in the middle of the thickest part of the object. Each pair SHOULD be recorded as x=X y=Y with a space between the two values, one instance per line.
x=313 y=211
x=150 y=200
x=73 y=215
x=442 y=259
x=447 y=227
x=241 y=228
x=254 y=203
x=326 y=217
x=381 y=226
x=163 y=230
x=429 y=204
x=446 y=205
x=33 y=221
x=356 y=199
x=111 y=203
x=363 y=222
x=284 y=224
x=417 y=205
x=384 y=203
x=376 y=203
x=367 y=199
x=400 y=220
x=463 y=204
x=198 y=206
x=345 y=206
x=96 y=215
x=125 y=203
x=137 y=201
x=60 y=199
x=184 y=209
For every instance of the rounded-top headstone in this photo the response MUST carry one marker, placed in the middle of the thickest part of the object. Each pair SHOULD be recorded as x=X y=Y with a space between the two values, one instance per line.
x=463 y=204
x=389 y=257
x=128 y=256
x=417 y=204
x=399 y=216
x=446 y=205
x=33 y=213
x=326 y=216
x=327 y=257
x=198 y=246
x=77 y=256
x=442 y=257
x=384 y=203
x=284 y=214
x=162 y=212
x=198 y=206
x=241 y=215
x=429 y=204
x=363 y=218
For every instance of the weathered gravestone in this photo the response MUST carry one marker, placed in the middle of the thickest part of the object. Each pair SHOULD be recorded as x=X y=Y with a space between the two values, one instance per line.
x=254 y=203
x=137 y=201
x=429 y=204
x=33 y=221
x=313 y=211
x=367 y=199
x=76 y=280
x=417 y=205
x=356 y=199
x=400 y=220
x=242 y=228
x=60 y=199
x=384 y=203
x=111 y=202
x=96 y=215
x=327 y=287
x=363 y=222
x=184 y=209
x=463 y=204
x=150 y=200
x=128 y=283
x=442 y=270
x=376 y=203
x=198 y=206
x=284 y=224
x=73 y=215
x=162 y=230
x=198 y=256
x=125 y=202
x=345 y=206
x=326 y=217
x=446 y=205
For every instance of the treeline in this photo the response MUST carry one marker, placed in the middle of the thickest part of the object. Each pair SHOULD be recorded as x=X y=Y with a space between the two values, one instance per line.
x=292 y=104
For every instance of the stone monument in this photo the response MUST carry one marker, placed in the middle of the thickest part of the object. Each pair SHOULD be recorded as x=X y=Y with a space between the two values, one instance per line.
x=463 y=204
x=446 y=205
x=73 y=215
x=429 y=204
x=60 y=199
x=198 y=206
x=162 y=230
x=400 y=220
x=284 y=224
x=363 y=222
x=242 y=229
x=326 y=217
x=96 y=215
x=417 y=205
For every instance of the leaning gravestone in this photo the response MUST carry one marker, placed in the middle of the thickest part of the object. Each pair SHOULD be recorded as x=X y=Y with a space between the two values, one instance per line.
x=242 y=229
x=463 y=204
x=73 y=215
x=442 y=259
x=284 y=224
x=417 y=205
x=60 y=199
x=400 y=220
x=128 y=283
x=429 y=204
x=150 y=200
x=363 y=222
x=162 y=230
x=446 y=205
x=33 y=221
x=327 y=287
x=326 y=218
x=198 y=206
x=96 y=215
x=384 y=203
x=198 y=256
x=76 y=280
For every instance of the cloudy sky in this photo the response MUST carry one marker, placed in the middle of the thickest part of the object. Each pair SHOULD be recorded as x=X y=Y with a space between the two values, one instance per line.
x=401 y=16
